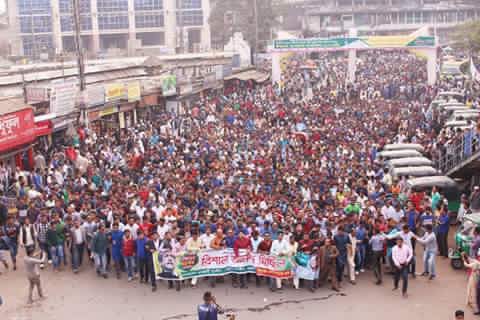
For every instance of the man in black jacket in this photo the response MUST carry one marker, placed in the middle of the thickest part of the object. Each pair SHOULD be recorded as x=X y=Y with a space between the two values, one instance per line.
x=3 y=214
x=151 y=246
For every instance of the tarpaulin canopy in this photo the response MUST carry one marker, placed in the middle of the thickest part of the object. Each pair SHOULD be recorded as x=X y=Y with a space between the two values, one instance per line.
x=249 y=75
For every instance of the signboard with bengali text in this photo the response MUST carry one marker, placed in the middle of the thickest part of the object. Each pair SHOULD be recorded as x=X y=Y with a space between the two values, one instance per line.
x=114 y=92
x=16 y=129
x=63 y=97
x=368 y=42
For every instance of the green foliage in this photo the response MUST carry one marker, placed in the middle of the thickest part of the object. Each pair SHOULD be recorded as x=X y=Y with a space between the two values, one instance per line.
x=467 y=36
x=229 y=16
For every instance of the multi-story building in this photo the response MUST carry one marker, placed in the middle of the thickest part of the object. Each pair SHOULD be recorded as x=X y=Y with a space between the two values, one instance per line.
x=385 y=17
x=46 y=26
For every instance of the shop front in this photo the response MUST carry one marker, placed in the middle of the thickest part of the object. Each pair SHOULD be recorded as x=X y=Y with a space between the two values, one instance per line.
x=104 y=119
x=150 y=106
x=43 y=132
x=17 y=134
x=127 y=116
x=63 y=125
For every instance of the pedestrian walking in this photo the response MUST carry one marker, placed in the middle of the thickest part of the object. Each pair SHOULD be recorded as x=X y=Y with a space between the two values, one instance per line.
x=401 y=256
x=429 y=241
x=33 y=274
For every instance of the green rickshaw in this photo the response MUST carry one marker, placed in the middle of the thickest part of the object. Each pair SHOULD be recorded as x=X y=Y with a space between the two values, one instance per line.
x=463 y=239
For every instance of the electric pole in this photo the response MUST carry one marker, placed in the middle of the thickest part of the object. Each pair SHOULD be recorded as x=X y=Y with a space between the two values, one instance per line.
x=255 y=18
x=80 y=61
x=78 y=43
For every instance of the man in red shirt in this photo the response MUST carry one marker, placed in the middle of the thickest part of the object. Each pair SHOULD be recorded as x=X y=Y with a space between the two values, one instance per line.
x=144 y=193
x=242 y=242
x=128 y=251
x=146 y=226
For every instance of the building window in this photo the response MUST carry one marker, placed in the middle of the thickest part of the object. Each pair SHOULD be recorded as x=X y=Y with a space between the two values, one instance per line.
x=151 y=38
x=65 y=6
x=189 y=4
x=149 y=20
x=33 y=46
x=66 y=23
x=112 y=21
x=35 y=24
x=190 y=18
x=450 y=17
x=417 y=17
x=410 y=17
x=362 y=19
x=112 y=5
x=148 y=4
x=27 y=7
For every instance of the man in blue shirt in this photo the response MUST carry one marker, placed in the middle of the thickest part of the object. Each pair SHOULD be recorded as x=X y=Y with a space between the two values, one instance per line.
x=209 y=310
x=442 y=232
x=341 y=241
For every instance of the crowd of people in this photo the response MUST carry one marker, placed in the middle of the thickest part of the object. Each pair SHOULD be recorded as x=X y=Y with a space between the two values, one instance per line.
x=263 y=168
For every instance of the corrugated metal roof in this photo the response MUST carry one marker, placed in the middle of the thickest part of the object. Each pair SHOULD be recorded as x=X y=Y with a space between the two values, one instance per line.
x=249 y=75
x=9 y=105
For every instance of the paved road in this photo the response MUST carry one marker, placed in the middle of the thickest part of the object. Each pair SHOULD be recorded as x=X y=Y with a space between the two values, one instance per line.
x=84 y=296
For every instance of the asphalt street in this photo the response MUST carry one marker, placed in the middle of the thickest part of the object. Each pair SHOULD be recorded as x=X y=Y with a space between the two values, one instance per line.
x=85 y=296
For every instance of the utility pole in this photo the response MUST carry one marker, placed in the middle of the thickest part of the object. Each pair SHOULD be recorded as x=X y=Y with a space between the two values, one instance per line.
x=80 y=61
x=255 y=18
x=78 y=44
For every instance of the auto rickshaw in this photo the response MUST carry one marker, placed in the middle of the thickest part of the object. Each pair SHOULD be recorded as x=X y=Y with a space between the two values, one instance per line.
x=463 y=240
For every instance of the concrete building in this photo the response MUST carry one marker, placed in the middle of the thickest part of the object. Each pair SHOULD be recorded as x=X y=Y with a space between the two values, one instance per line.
x=155 y=26
x=385 y=17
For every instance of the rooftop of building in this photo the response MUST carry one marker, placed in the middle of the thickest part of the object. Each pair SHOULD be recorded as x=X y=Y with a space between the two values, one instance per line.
x=313 y=8
x=12 y=77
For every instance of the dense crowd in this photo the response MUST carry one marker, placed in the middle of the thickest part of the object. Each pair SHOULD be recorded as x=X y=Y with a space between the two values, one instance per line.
x=259 y=167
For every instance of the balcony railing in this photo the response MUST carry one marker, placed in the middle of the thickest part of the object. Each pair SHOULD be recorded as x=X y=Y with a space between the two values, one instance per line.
x=458 y=153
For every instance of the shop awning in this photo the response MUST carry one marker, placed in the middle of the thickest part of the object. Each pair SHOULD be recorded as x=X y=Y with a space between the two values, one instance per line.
x=43 y=128
x=254 y=75
x=45 y=117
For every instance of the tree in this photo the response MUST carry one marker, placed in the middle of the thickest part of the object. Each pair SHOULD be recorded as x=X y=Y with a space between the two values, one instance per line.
x=230 y=16
x=467 y=37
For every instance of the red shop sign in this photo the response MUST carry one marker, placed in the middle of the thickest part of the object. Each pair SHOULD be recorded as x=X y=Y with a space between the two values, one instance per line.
x=16 y=128
x=43 y=128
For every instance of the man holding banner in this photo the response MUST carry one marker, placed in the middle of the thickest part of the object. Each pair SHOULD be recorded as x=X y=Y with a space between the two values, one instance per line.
x=278 y=249
x=265 y=247
x=242 y=243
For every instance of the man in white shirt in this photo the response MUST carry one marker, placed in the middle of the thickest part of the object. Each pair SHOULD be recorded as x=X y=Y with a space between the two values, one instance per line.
x=132 y=227
x=279 y=248
x=162 y=228
x=407 y=236
x=397 y=214
x=401 y=255
x=158 y=209
x=206 y=238
x=255 y=239
x=387 y=210
x=79 y=239
x=27 y=235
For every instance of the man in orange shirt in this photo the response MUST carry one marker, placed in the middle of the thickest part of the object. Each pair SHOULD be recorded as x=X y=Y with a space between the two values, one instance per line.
x=217 y=243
